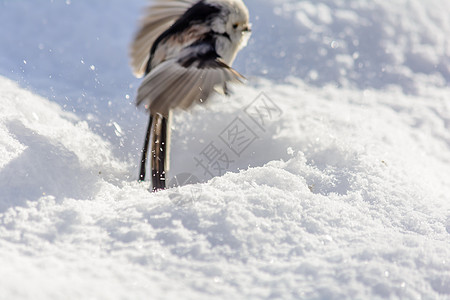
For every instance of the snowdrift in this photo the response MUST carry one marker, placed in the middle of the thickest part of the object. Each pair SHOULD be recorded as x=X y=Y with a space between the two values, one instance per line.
x=354 y=213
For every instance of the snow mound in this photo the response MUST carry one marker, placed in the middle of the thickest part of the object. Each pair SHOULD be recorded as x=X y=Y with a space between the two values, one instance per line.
x=44 y=150
x=367 y=44
x=351 y=212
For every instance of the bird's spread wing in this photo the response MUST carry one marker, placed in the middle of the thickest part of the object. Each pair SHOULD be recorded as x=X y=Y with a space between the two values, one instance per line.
x=191 y=77
x=158 y=19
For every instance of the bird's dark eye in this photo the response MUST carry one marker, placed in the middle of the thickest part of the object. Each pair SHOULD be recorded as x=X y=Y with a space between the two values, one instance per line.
x=235 y=25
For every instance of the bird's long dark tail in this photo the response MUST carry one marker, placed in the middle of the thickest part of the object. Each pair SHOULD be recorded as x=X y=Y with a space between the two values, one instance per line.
x=145 y=149
x=157 y=136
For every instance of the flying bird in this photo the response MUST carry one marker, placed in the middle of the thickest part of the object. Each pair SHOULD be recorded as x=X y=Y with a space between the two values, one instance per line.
x=184 y=49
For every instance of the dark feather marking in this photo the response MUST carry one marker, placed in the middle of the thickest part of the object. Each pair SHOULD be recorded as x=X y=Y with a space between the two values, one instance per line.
x=197 y=14
x=205 y=56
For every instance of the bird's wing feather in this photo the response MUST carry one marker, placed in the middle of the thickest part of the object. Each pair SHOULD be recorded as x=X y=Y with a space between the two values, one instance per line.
x=189 y=78
x=159 y=18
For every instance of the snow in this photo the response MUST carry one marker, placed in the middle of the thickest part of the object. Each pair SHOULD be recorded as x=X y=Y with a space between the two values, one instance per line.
x=339 y=190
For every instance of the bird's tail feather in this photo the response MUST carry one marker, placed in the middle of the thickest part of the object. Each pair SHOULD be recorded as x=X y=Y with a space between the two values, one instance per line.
x=160 y=151
x=145 y=149
x=158 y=136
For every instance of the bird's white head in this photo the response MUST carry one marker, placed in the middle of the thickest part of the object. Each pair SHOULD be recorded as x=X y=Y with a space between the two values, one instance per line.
x=234 y=22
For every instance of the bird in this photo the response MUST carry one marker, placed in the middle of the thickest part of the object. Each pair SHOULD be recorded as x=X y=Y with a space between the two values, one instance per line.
x=184 y=49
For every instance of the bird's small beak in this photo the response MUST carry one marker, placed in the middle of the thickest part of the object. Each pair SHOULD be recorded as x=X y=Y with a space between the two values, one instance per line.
x=247 y=28
x=246 y=33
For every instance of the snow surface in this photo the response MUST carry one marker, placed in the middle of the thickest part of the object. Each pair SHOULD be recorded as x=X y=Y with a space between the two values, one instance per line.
x=342 y=192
